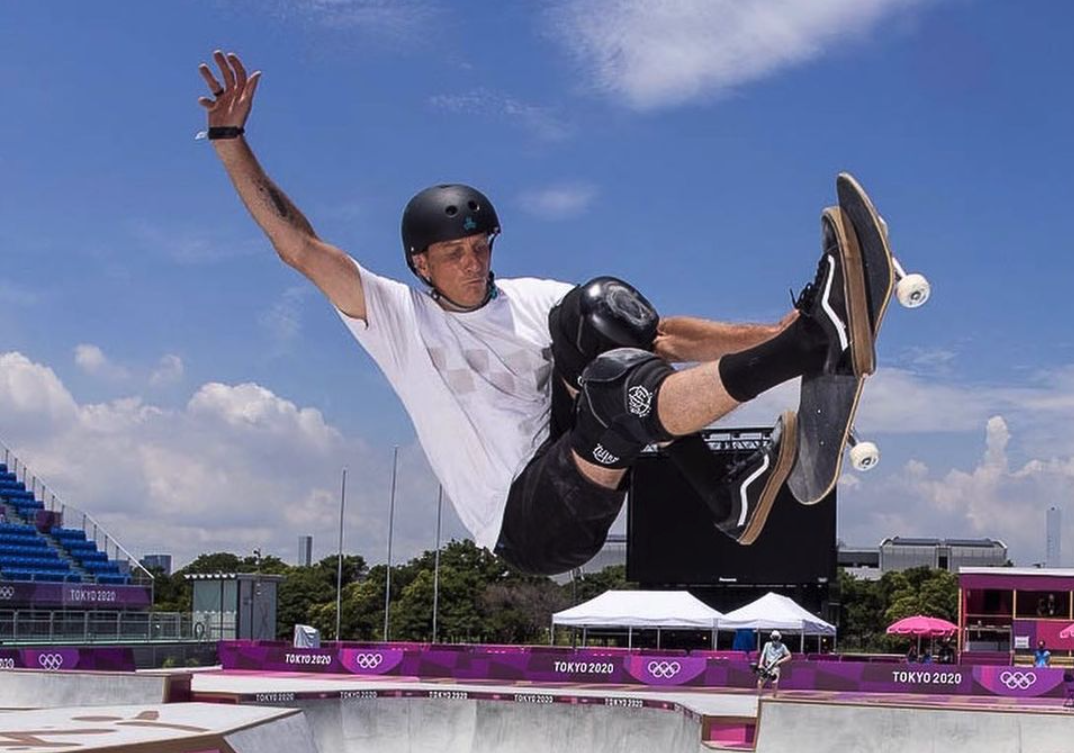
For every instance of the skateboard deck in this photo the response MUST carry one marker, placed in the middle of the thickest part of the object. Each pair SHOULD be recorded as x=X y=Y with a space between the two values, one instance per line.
x=829 y=402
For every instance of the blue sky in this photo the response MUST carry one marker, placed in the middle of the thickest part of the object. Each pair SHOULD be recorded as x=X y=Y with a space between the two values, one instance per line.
x=161 y=369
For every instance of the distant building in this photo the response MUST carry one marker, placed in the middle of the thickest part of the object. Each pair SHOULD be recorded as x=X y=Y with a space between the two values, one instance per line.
x=305 y=551
x=945 y=554
x=1053 y=544
x=162 y=562
x=230 y=606
x=862 y=562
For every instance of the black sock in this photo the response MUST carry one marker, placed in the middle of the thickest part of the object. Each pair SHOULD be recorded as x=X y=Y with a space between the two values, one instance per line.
x=793 y=352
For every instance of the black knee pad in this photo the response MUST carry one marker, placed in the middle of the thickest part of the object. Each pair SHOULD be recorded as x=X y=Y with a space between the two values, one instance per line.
x=616 y=410
x=603 y=314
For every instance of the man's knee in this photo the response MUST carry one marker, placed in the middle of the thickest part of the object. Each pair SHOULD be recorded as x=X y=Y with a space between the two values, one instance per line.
x=601 y=315
x=616 y=412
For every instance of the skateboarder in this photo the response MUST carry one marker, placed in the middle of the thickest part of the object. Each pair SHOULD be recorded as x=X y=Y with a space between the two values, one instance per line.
x=773 y=654
x=531 y=398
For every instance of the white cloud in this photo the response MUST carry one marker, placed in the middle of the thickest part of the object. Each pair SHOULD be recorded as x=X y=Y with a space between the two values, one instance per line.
x=169 y=370
x=540 y=122
x=558 y=202
x=658 y=53
x=92 y=360
x=996 y=497
x=283 y=321
x=237 y=467
x=989 y=500
x=379 y=20
x=33 y=400
x=193 y=246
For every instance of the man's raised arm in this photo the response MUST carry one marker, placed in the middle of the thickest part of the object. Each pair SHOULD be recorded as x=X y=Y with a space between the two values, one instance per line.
x=290 y=232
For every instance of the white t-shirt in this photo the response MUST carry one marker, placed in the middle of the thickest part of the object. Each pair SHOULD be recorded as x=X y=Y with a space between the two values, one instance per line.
x=772 y=653
x=477 y=384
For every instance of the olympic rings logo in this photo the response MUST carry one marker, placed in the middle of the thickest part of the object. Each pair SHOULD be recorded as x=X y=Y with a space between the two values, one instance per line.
x=368 y=661
x=664 y=670
x=1018 y=680
x=7 y=592
x=51 y=662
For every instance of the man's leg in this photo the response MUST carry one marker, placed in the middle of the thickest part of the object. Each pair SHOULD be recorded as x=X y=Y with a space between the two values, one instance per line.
x=556 y=519
x=631 y=398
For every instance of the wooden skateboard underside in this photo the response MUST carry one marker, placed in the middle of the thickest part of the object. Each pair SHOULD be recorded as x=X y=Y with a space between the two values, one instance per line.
x=829 y=401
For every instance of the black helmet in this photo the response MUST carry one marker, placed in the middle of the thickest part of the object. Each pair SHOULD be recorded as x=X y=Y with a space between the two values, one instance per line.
x=445 y=213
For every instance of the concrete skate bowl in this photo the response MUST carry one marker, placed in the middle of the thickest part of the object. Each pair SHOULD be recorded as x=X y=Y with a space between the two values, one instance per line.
x=374 y=721
x=811 y=727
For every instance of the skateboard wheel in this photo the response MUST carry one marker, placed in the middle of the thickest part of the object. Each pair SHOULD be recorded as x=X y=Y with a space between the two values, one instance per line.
x=864 y=456
x=913 y=290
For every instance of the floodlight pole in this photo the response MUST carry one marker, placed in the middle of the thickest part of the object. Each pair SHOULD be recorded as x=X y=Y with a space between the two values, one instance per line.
x=339 y=558
x=391 y=523
x=436 y=566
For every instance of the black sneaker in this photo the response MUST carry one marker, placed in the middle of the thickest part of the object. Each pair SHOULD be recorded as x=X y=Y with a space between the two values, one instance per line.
x=754 y=482
x=836 y=301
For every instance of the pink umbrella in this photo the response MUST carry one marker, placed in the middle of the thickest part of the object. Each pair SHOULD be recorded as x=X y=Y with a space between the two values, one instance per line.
x=920 y=625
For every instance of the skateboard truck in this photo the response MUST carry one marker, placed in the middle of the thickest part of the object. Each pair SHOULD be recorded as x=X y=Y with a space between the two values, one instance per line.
x=912 y=289
x=864 y=456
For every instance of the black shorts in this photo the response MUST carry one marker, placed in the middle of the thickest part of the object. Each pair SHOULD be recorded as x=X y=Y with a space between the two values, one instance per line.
x=556 y=519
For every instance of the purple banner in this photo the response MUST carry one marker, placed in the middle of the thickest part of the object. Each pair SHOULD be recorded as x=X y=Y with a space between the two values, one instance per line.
x=60 y=658
x=1001 y=580
x=658 y=669
x=1049 y=631
x=73 y=595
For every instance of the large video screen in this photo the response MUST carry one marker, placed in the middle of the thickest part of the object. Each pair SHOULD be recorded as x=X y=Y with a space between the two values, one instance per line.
x=671 y=539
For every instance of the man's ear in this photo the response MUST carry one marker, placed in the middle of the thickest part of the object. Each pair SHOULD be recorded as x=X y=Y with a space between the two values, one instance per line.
x=421 y=263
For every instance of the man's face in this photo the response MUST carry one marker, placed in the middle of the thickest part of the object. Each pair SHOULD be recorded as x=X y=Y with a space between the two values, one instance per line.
x=458 y=269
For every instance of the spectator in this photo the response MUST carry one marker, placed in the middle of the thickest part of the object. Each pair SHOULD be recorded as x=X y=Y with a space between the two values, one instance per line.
x=773 y=654
x=1042 y=656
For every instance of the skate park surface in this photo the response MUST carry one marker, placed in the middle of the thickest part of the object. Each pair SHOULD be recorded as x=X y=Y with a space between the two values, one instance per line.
x=217 y=711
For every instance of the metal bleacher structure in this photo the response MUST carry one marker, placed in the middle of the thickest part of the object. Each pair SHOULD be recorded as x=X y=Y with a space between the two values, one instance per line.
x=36 y=546
x=63 y=576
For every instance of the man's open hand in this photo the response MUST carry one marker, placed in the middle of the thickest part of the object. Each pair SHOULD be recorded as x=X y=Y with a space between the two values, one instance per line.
x=232 y=100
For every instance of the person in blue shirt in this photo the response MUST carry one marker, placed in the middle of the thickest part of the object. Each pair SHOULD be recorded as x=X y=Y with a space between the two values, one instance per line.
x=1042 y=656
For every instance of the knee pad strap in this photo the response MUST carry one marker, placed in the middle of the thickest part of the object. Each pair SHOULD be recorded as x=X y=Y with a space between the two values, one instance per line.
x=617 y=415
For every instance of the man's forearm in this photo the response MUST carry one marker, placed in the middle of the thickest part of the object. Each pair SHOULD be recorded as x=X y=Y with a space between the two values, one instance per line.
x=283 y=223
x=683 y=339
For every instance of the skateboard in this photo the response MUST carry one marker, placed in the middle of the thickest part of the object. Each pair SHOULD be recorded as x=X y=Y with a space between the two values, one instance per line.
x=829 y=402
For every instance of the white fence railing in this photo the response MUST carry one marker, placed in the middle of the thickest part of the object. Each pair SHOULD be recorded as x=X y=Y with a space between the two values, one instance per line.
x=76 y=518
x=30 y=626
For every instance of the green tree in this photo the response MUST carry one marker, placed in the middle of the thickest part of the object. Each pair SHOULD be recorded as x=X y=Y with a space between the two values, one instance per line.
x=590 y=585
x=171 y=593
x=304 y=589
x=863 y=606
x=521 y=612
x=218 y=562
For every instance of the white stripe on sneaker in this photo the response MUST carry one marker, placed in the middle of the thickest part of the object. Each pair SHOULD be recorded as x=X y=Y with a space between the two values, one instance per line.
x=742 y=490
x=840 y=327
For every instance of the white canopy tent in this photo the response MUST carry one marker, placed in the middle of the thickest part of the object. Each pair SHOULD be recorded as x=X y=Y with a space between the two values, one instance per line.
x=643 y=610
x=775 y=612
